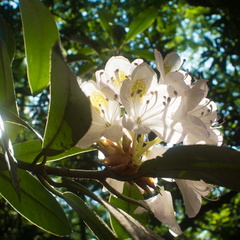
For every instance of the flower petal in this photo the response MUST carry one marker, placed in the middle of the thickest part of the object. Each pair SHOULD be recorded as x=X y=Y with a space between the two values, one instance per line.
x=192 y=192
x=162 y=207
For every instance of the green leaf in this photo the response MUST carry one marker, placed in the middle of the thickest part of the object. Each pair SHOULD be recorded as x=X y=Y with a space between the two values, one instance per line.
x=106 y=20
x=9 y=159
x=14 y=119
x=40 y=34
x=215 y=165
x=118 y=35
x=7 y=36
x=69 y=153
x=94 y=222
x=86 y=68
x=131 y=191
x=29 y=150
x=135 y=229
x=77 y=57
x=7 y=93
x=141 y=22
x=37 y=205
x=143 y=53
x=69 y=115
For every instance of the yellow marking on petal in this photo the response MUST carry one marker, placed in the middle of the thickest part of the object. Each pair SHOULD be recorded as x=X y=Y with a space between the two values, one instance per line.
x=138 y=88
x=167 y=67
x=119 y=77
x=98 y=100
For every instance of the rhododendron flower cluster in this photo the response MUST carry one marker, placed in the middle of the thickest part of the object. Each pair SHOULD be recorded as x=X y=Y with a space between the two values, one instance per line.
x=128 y=102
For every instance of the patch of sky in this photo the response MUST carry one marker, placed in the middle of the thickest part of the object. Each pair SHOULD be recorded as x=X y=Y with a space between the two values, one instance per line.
x=14 y=4
x=84 y=13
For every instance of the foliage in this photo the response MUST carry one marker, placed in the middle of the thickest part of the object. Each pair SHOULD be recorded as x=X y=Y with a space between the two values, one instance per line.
x=88 y=38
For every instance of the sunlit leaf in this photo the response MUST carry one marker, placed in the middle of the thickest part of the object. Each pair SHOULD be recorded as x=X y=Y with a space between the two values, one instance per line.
x=9 y=159
x=37 y=205
x=29 y=150
x=93 y=221
x=7 y=93
x=14 y=119
x=69 y=115
x=133 y=192
x=40 y=34
x=141 y=22
x=215 y=165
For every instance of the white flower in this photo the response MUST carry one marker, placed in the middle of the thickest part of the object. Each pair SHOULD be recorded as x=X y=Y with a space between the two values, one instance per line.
x=162 y=207
x=106 y=119
x=117 y=70
x=170 y=73
x=143 y=99
x=192 y=192
x=206 y=111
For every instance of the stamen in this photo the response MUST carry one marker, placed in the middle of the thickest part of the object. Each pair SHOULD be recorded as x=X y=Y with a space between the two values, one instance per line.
x=184 y=60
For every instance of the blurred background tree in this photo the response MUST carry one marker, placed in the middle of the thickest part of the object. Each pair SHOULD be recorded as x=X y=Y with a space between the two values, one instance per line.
x=204 y=32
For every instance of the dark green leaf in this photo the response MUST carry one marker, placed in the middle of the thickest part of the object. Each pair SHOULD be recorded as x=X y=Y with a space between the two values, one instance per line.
x=40 y=34
x=106 y=20
x=215 y=165
x=69 y=115
x=77 y=57
x=95 y=45
x=86 y=67
x=118 y=34
x=7 y=36
x=131 y=191
x=94 y=222
x=143 y=53
x=141 y=22
x=37 y=205
x=136 y=230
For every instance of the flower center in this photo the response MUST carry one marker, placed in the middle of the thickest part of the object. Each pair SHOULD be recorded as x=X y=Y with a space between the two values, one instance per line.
x=119 y=77
x=138 y=88
x=99 y=101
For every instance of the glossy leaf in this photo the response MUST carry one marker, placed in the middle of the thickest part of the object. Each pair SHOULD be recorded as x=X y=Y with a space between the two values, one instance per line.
x=141 y=23
x=69 y=116
x=7 y=93
x=215 y=165
x=130 y=191
x=94 y=222
x=6 y=34
x=40 y=34
x=37 y=205
x=29 y=150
